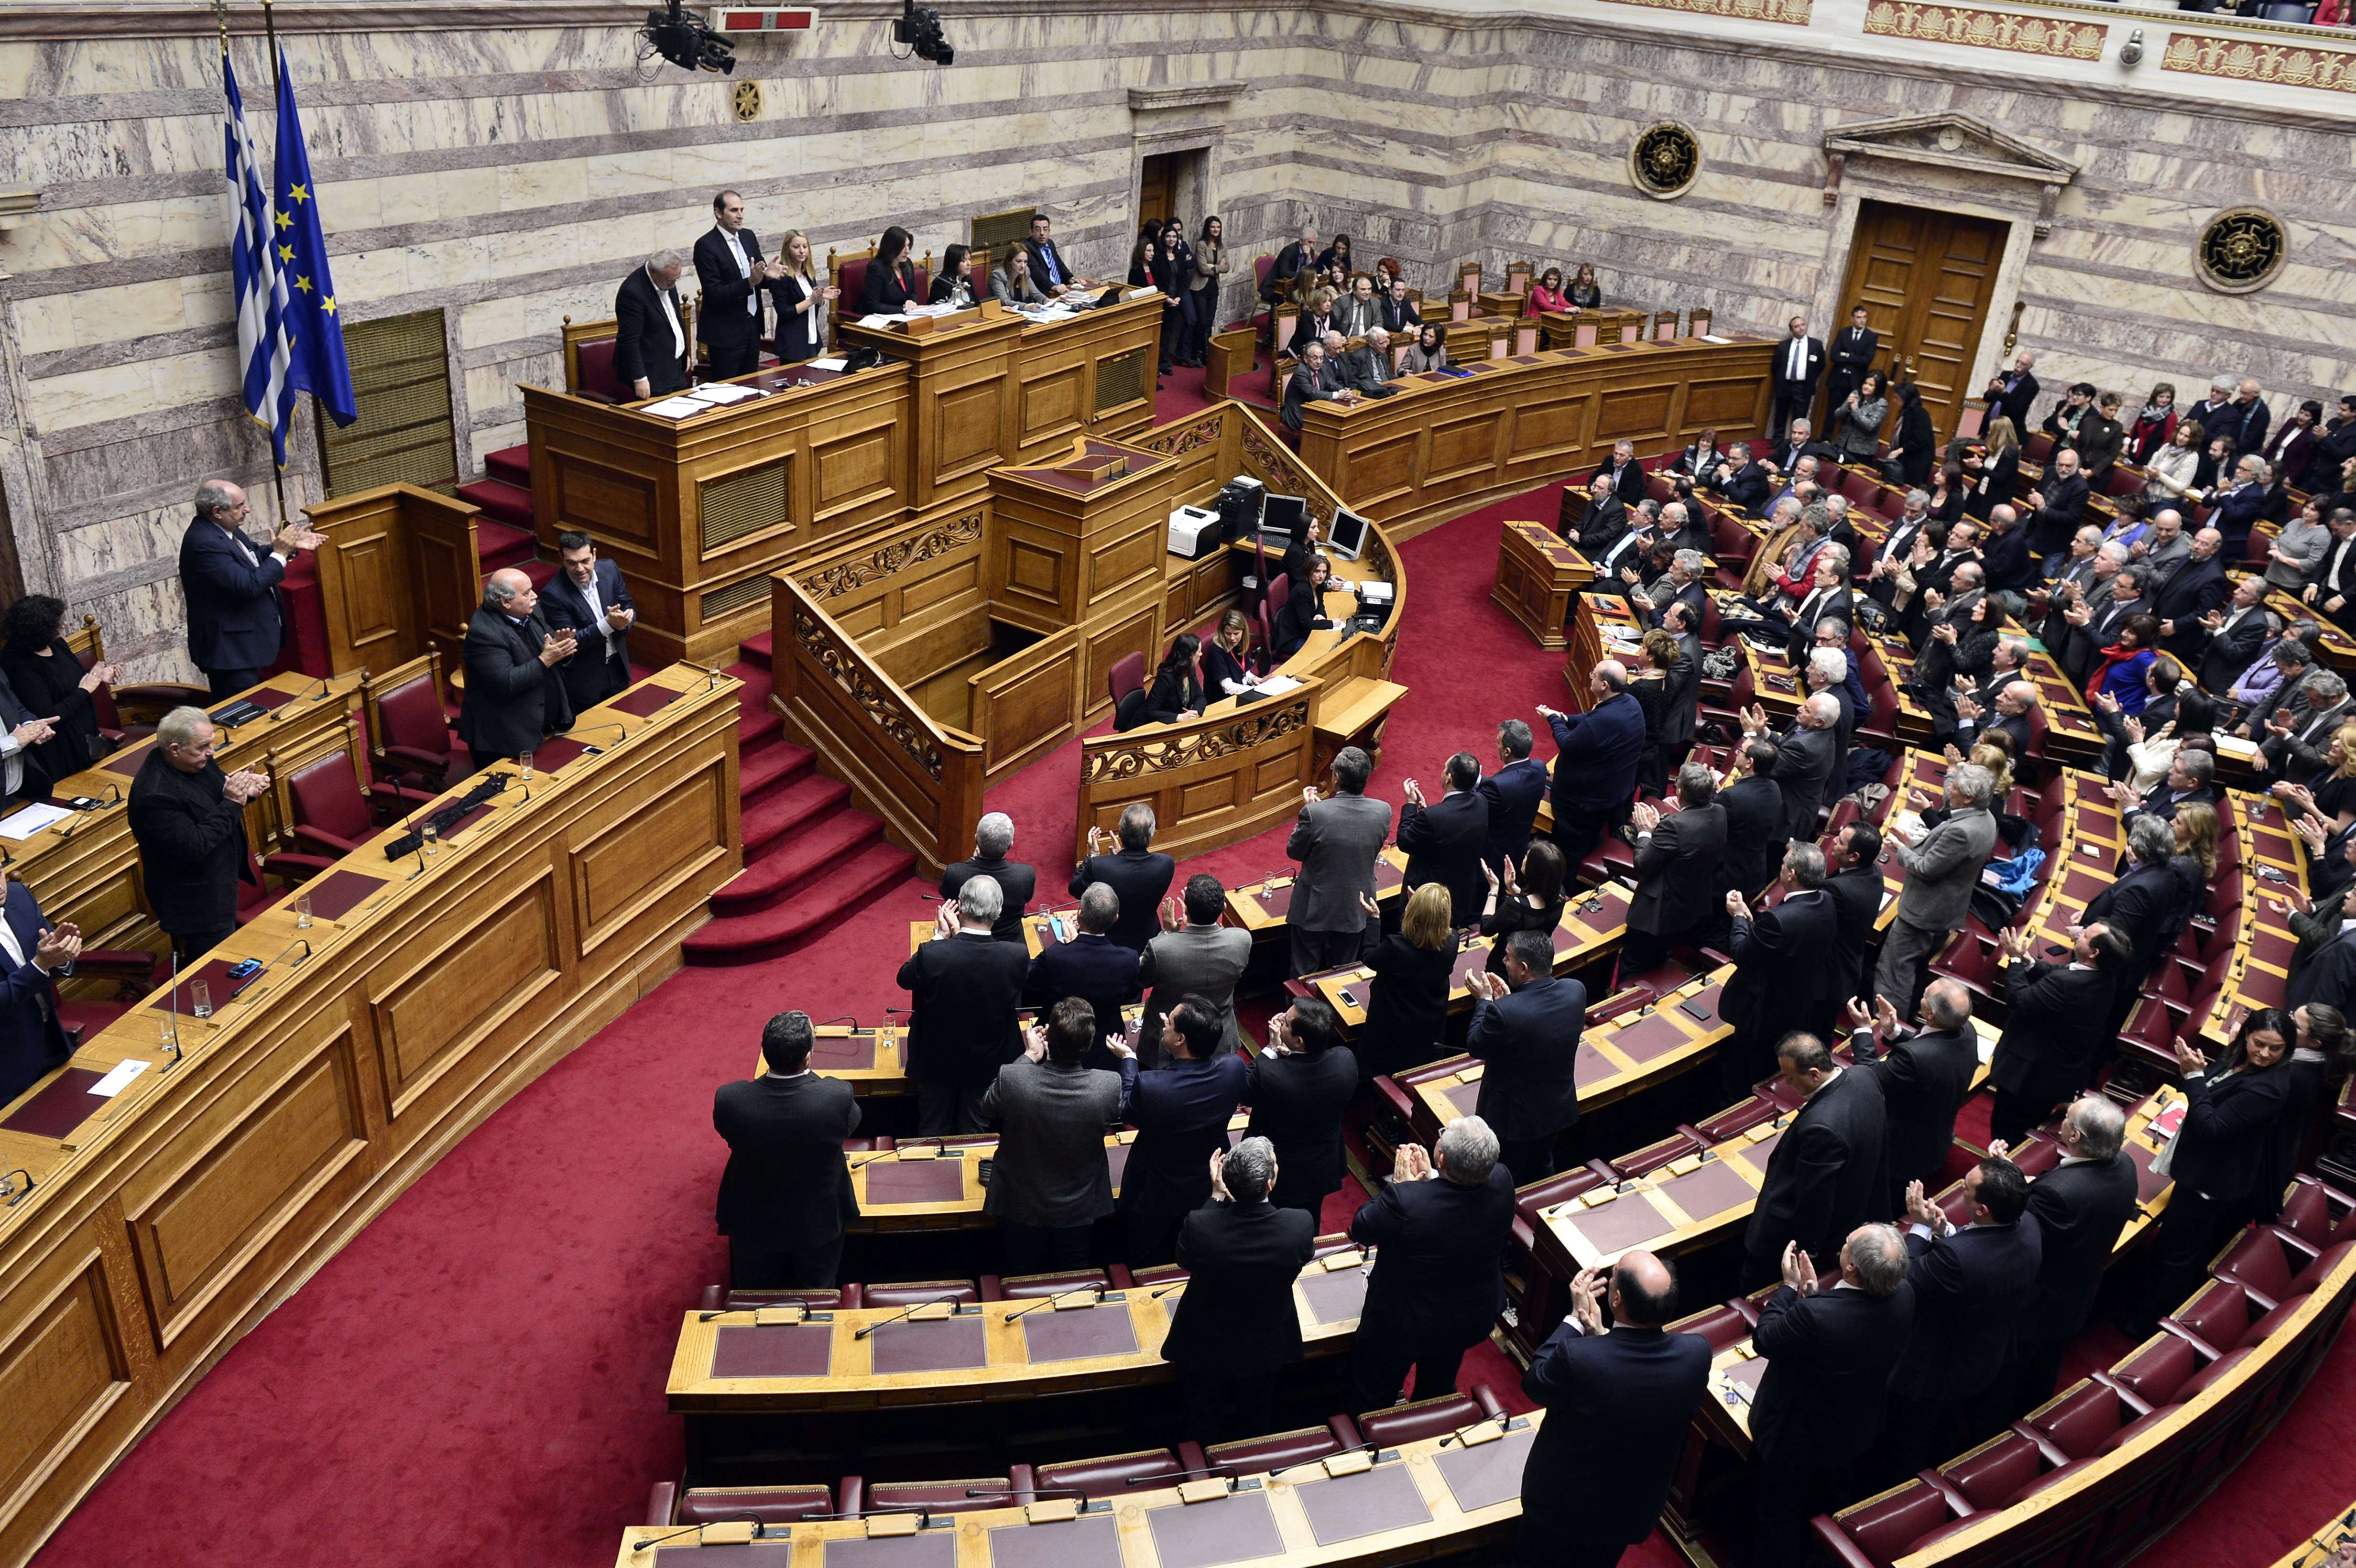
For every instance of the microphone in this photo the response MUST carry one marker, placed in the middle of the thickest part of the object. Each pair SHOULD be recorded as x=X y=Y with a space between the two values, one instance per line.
x=712 y=674
x=1462 y=1433
x=838 y=1018
x=760 y=1529
x=1040 y=1494
x=1096 y=1291
x=621 y=731
x=173 y=1045
x=887 y=1153
x=957 y=1309
x=1207 y=1473
x=1173 y=1285
x=288 y=705
x=421 y=862
x=10 y=1192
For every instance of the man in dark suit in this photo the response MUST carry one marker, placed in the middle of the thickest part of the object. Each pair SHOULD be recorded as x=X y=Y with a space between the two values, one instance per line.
x=1624 y=476
x=2136 y=907
x=1138 y=875
x=1603 y=518
x=1398 y=313
x=2190 y=780
x=1181 y=1110
x=2054 y=1026
x=1525 y=1029
x=1925 y=1077
x=1195 y=953
x=1824 y=1179
x=188 y=820
x=1620 y=1402
x=514 y=698
x=1297 y=253
x=1049 y=270
x=993 y=836
x=2057 y=506
x=1595 y=763
x=1300 y=1084
x=1337 y=841
x=786 y=1195
x=1798 y=366
x=1782 y=958
x=2239 y=505
x=231 y=583
x=1443 y=841
x=1235 y=1328
x=1948 y=1390
x=1804 y=760
x=1744 y=484
x=2013 y=392
x=1855 y=885
x=1819 y=1407
x=1439 y=1226
x=1091 y=967
x=2080 y=1207
x=588 y=599
x=963 y=987
x=728 y=265
x=1513 y=794
x=2191 y=594
x=2234 y=635
x=1754 y=818
x=1677 y=860
x=1308 y=384
x=1852 y=354
x=649 y=332
x=32 y=1041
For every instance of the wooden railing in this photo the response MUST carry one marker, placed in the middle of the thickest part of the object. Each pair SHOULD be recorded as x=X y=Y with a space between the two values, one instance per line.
x=923 y=778
x=1211 y=781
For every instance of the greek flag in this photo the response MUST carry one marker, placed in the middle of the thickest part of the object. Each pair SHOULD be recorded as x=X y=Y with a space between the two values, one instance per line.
x=262 y=346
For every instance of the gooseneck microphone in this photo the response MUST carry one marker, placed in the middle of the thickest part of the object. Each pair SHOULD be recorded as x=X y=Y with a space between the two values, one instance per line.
x=1095 y=1290
x=955 y=1306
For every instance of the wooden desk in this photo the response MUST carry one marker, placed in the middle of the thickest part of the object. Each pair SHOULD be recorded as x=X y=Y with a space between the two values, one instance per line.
x=2262 y=942
x=874 y=1061
x=1446 y=444
x=1601 y=626
x=1263 y=907
x=1582 y=937
x=935 y=1188
x=168 y=1219
x=1465 y=1494
x=1538 y=578
x=1605 y=325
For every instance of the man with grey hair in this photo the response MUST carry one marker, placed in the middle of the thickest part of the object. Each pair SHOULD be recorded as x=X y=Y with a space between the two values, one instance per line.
x=1783 y=971
x=1365 y=368
x=1940 y=871
x=1830 y=1347
x=2295 y=747
x=1440 y=1226
x=514 y=698
x=236 y=623
x=1804 y=758
x=2138 y=908
x=1513 y=794
x=2080 y=1207
x=2190 y=780
x=1595 y=763
x=1678 y=856
x=649 y=334
x=1337 y=841
x=963 y=987
x=1235 y=1329
x=2163 y=550
x=188 y=819
x=993 y=836
x=2192 y=592
x=1139 y=874
x=2014 y=699
x=2054 y=1036
x=1926 y=1074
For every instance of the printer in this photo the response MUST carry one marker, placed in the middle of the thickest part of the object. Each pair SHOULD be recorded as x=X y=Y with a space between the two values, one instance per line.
x=1196 y=532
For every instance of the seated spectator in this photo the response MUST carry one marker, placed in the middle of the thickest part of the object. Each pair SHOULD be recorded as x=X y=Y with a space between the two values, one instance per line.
x=1546 y=293
x=1585 y=292
x=1010 y=283
x=785 y=1194
x=1399 y=317
x=954 y=283
x=1430 y=352
x=1336 y=256
x=1177 y=690
x=1407 y=1003
x=1304 y=611
x=47 y=679
x=1316 y=319
x=1050 y=1181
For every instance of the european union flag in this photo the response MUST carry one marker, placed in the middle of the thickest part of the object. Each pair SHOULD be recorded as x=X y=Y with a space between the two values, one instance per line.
x=314 y=331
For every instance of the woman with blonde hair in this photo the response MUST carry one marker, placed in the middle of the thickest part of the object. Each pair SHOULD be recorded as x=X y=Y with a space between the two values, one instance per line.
x=2196 y=835
x=803 y=302
x=1315 y=320
x=1226 y=657
x=2169 y=472
x=1407 y=1005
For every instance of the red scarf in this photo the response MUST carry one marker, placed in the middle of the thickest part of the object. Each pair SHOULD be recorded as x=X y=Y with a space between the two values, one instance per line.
x=2116 y=654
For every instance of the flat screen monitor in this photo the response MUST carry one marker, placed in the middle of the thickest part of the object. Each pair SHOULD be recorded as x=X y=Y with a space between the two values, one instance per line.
x=1347 y=537
x=1284 y=515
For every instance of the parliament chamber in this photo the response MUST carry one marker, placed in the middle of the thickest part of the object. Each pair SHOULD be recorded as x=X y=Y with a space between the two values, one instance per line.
x=977 y=789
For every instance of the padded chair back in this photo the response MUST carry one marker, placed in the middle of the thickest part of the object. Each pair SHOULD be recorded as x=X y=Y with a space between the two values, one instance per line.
x=937 y=1497
x=410 y=713
x=2156 y=1372
x=1036 y=1286
x=1886 y=1528
x=1428 y=1417
x=596 y=358
x=770 y=1505
x=915 y=1293
x=850 y=275
x=326 y=795
x=2080 y=1421
x=93 y=653
x=1254 y=1455
x=1262 y=265
x=1279 y=591
x=1127 y=675
x=1112 y=1475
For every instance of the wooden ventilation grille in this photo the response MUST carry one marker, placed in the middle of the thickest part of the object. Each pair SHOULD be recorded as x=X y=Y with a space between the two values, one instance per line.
x=994 y=231
x=400 y=384
x=719 y=601
x=742 y=504
x=1123 y=380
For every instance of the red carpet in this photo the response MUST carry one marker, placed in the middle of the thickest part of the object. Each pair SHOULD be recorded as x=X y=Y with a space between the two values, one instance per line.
x=478 y=1377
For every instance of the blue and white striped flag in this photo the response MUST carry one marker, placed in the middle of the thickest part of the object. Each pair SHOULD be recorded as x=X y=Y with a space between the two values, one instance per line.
x=261 y=347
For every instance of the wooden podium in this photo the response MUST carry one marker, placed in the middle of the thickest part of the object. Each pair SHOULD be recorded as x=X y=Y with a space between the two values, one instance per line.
x=1539 y=578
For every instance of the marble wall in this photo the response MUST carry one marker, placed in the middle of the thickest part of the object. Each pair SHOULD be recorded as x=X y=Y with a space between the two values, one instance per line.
x=509 y=175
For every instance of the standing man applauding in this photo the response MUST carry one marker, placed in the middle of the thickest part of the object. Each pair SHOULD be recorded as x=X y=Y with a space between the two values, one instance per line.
x=786 y=1195
x=514 y=697
x=1595 y=763
x=1336 y=842
x=1235 y=1328
x=963 y=985
x=728 y=264
x=188 y=820
x=235 y=621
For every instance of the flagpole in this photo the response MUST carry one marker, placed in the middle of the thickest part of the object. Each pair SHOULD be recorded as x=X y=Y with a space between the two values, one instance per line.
x=269 y=32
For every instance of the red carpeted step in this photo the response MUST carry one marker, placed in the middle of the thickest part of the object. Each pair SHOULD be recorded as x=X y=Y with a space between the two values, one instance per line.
x=812 y=855
x=746 y=939
x=497 y=545
x=754 y=730
x=768 y=769
x=756 y=650
x=789 y=809
x=757 y=683
x=510 y=464
x=540 y=572
x=503 y=502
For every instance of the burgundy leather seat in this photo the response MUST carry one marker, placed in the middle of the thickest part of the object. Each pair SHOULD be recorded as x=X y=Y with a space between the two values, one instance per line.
x=1110 y=1477
x=2261 y=1262
x=411 y=748
x=1875 y=1534
x=599 y=381
x=1256 y=1456
x=1428 y=1417
x=331 y=816
x=2078 y=1424
x=915 y=1293
x=770 y=1505
x=1037 y=1287
x=1736 y=1119
x=721 y=1298
x=1998 y=1471
x=1653 y=1156
x=937 y=1497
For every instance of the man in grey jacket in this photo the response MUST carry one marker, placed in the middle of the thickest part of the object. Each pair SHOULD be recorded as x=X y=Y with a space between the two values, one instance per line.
x=1049 y=1182
x=1336 y=842
x=1940 y=873
x=1201 y=956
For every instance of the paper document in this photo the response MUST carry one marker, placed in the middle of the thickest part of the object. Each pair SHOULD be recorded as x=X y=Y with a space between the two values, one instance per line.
x=724 y=392
x=1277 y=685
x=117 y=1081
x=880 y=320
x=1238 y=688
x=19 y=826
x=1714 y=337
x=675 y=407
x=832 y=362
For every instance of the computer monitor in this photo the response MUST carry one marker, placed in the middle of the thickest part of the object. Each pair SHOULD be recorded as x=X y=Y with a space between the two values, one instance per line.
x=1346 y=537
x=1284 y=515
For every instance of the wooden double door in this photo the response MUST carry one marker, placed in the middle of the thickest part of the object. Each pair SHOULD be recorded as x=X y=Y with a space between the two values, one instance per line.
x=1927 y=279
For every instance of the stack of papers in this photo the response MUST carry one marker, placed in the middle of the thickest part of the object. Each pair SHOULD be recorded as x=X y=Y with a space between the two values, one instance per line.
x=19 y=826
x=880 y=320
x=723 y=393
x=1277 y=685
x=832 y=362
x=1714 y=337
x=677 y=408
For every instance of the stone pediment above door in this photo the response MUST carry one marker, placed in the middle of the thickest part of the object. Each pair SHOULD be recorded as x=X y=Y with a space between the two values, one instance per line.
x=1958 y=144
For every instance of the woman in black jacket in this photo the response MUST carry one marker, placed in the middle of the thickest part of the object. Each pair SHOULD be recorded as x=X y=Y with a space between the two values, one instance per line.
x=1304 y=609
x=955 y=284
x=1229 y=656
x=803 y=302
x=1534 y=905
x=49 y=680
x=1914 y=449
x=2223 y=1155
x=1171 y=273
x=2317 y=1056
x=1177 y=689
x=891 y=280
x=1407 y=1005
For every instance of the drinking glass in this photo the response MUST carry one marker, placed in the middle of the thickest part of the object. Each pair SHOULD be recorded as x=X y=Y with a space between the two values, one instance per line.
x=200 y=1000
x=431 y=836
x=301 y=911
x=523 y=765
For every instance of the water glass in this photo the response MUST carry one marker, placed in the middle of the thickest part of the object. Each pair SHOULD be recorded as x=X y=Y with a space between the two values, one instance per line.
x=431 y=836
x=523 y=765
x=301 y=911
x=200 y=1000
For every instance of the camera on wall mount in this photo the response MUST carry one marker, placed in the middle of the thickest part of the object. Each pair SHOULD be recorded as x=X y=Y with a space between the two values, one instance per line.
x=920 y=29
x=684 y=40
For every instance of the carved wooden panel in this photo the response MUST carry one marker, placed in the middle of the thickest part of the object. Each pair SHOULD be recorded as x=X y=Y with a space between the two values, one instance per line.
x=1733 y=401
x=1382 y=471
x=1038 y=573
x=464 y=982
x=371 y=615
x=968 y=427
x=1634 y=414
x=1122 y=564
x=1135 y=628
x=1210 y=780
x=57 y=1372
x=1466 y=444
x=854 y=470
x=1548 y=431
x=605 y=501
x=240 y=1182
x=1050 y=402
x=645 y=854
x=1024 y=705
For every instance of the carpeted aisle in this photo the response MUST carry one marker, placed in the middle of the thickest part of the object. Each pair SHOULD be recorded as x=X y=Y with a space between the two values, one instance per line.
x=478 y=1376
